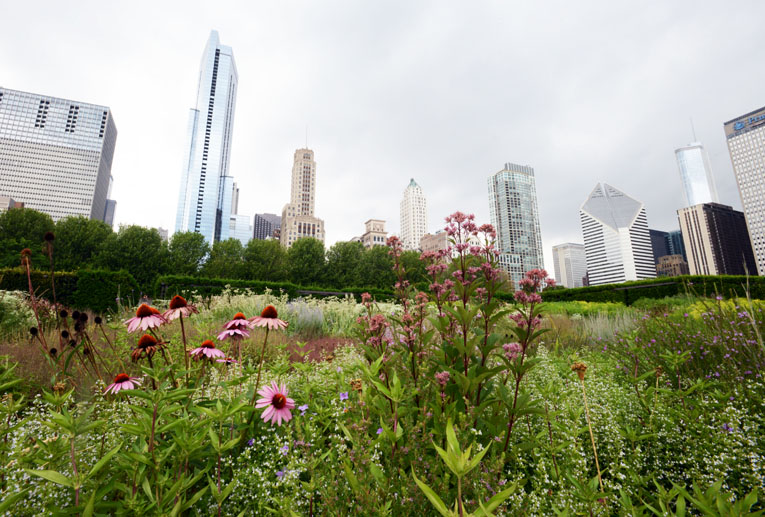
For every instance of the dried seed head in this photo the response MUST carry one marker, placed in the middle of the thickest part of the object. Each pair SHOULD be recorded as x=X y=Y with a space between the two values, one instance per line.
x=83 y=317
x=59 y=387
x=63 y=313
x=49 y=237
x=65 y=334
x=579 y=368
x=77 y=327
x=33 y=331
x=356 y=385
x=53 y=352
x=98 y=320
x=76 y=315
x=269 y=312
x=659 y=371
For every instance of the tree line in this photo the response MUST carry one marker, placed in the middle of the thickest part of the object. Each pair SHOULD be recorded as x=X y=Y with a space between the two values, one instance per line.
x=85 y=243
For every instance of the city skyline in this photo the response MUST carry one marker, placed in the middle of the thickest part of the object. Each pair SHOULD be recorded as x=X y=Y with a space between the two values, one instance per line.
x=593 y=123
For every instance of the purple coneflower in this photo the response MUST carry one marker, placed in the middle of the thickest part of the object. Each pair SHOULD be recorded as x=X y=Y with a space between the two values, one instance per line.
x=277 y=404
x=237 y=328
x=269 y=318
x=179 y=307
x=145 y=318
x=207 y=350
x=147 y=346
x=122 y=382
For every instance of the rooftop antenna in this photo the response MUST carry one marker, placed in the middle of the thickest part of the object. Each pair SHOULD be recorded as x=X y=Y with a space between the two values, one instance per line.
x=693 y=129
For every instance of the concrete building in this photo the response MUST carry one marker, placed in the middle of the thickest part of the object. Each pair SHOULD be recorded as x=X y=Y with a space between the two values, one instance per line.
x=414 y=216
x=515 y=217
x=298 y=218
x=55 y=154
x=265 y=226
x=434 y=241
x=716 y=240
x=6 y=203
x=206 y=189
x=375 y=234
x=616 y=238
x=659 y=244
x=696 y=175
x=672 y=265
x=746 y=145
x=570 y=264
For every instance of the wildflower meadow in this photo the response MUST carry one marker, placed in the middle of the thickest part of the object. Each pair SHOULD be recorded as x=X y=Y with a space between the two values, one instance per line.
x=454 y=400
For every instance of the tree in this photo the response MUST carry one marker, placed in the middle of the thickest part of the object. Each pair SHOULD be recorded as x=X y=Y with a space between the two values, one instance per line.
x=414 y=267
x=306 y=262
x=265 y=260
x=186 y=253
x=23 y=228
x=344 y=264
x=138 y=250
x=78 y=240
x=376 y=268
x=225 y=260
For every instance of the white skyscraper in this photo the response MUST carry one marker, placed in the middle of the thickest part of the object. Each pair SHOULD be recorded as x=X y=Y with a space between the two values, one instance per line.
x=414 y=216
x=570 y=263
x=56 y=154
x=616 y=238
x=696 y=175
x=746 y=144
x=204 y=202
x=298 y=215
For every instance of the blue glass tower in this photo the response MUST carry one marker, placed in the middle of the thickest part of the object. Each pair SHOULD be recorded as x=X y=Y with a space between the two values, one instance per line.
x=204 y=201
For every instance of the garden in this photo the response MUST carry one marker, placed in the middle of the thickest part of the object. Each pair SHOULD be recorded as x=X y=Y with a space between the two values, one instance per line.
x=447 y=398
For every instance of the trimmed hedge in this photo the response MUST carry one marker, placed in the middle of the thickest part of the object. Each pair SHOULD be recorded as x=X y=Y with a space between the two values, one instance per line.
x=94 y=290
x=726 y=285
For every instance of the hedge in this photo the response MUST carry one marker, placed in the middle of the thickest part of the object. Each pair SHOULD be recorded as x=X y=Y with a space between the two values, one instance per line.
x=94 y=290
x=628 y=292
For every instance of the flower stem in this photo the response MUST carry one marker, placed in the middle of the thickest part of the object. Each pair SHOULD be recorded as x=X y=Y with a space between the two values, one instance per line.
x=185 y=350
x=592 y=437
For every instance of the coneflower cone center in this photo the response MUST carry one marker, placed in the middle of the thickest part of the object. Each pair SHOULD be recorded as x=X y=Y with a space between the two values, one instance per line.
x=146 y=340
x=178 y=302
x=144 y=311
x=208 y=344
x=279 y=401
x=269 y=312
x=239 y=316
x=122 y=377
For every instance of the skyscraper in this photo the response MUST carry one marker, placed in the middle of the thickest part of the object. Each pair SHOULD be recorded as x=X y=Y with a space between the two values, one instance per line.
x=204 y=202
x=675 y=244
x=659 y=244
x=696 y=175
x=570 y=264
x=414 y=216
x=746 y=144
x=298 y=215
x=55 y=154
x=264 y=225
x=616 y=237
x=515 y=217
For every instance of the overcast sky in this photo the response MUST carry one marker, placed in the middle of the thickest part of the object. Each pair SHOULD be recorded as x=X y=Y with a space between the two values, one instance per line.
x=440 y=91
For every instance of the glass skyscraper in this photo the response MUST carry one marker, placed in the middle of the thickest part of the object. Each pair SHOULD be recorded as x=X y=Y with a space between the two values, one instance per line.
x=204 y=202
x=696 y=175
x=515 y=216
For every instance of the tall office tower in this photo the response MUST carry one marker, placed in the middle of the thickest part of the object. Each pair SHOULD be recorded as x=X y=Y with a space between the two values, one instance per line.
x=204 y=200
x=55 y=154
x=696 y=175
x=264 y=226
x=570 y=264
x=616 y=237
x=235 y=199
x=298 y=215
x=675 y=244
x=414 y=216
x=659 y=244
x=746 y=144
x=716 y=240
x=514 y=214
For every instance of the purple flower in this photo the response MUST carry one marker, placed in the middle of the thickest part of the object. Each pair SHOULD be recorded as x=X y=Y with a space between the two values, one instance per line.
x=303 y=409
x=379 y=430
x=285 y=450
x=279 y=473
x=250 y=442
x=727 y=428
x=344 y=395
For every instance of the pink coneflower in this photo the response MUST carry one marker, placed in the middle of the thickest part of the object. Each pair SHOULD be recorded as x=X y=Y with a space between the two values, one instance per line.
x=179 y=307
x=147 y=346
x=207 y=350
x=237 y=328
x=277 y=404
x=122 y=382
x=269 y=319
x=145 y=318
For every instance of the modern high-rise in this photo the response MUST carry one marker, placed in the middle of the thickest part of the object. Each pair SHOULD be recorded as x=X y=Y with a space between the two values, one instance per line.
x=716 y=240
x=746 y=144
x=204 y=201
x=264 y=226
x=696 y=175
x=616 y=238
x=570 y=264
x=514 y=214
x=298 y=218
x=675 y=244
x=659 y=244
x=414 y=216
x=55 y=154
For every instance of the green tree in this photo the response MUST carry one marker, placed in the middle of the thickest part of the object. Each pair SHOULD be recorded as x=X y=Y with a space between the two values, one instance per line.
x=414 y=267
x=265 y=260
x=23 y=228
x=186 y=253
x=306 y=262
x=344 y=264
x=138 y=250
x=78 y=240
x=226 y=260
x=376 y=268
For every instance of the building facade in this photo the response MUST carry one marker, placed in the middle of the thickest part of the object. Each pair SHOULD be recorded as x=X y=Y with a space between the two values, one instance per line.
x=616 y=238
x=696 y=175
x=55 y=154
x=206 y=190
x=746 y=145
x=298 y=219
x=414 y=216
x=659 y=244
x=374 y=234
x=672 y=265
x=515 y=216
x=265 y=226
x=570 y=264
x=716 y=240
x=240 y=228
x=434 y=241
x=675 y=244
x=6 y=203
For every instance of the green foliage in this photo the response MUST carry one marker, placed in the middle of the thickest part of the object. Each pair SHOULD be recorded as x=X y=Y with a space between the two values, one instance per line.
x=167 y=286
x=78 y=240
x=376 y=269
x=23 y=228
x=344 y=261
x=187 y=252
x=15 y=279
x=265 y=260
x=137 y=250
x=226 y=260
x=306 y=263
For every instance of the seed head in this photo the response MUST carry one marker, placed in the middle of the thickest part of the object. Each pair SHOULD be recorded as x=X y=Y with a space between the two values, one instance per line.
x=63 y=313
x=97 y=320
x=33 y=331
x=83 y=317
x=178 y=302
x=269 y=312
x=76 y=315
x=65 y=334
x=49 y=237
x=579 y=368
x=53 y=352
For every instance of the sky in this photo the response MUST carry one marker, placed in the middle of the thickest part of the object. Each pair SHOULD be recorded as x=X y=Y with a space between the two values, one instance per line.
x=444 y=92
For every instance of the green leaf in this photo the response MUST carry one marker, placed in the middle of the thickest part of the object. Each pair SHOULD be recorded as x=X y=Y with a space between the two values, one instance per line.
x=432 y=497
x=52 y=475
x=10 y=500
x=103 y=461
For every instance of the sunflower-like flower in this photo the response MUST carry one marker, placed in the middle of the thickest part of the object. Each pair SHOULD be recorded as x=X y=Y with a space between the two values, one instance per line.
x=179 y=307
x=145 y=318
x=147 y=347
x=237 y=328
x=269 y=318
x=207 y=350
x=122 y=382
x=277 y=404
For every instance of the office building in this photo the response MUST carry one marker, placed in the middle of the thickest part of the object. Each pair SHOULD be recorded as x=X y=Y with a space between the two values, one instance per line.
x=696 y=175
x=55 y=154
x=414 y=216
x=6 y=203
x=265 y=225
x=206 y=190
x=659 y=244
x=716 y=240
x=616 y=238
x=675 y=244
x=298 y=218
x=374 y=234
x=514 y=214
x=570 y=264
x=746 y=144
x=240 y=228
x=672 y=265
x=434 y=241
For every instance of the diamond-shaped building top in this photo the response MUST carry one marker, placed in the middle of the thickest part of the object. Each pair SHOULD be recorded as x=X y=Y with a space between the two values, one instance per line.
x=612 y=207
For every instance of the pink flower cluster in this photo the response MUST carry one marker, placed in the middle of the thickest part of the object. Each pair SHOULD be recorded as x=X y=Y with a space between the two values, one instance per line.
x=512 y=351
